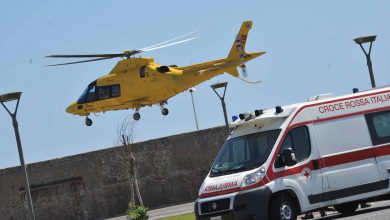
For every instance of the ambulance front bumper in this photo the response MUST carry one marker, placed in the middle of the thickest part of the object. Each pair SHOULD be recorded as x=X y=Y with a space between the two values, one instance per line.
x=249 y=204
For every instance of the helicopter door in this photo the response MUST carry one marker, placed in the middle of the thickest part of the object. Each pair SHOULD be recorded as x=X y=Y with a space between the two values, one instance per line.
x=157 y=84
x=141 y=85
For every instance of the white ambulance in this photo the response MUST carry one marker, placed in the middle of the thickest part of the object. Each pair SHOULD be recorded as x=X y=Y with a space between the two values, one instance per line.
x=280 y=162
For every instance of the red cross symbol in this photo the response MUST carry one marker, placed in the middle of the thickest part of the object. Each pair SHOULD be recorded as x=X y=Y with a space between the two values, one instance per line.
x=306 y=174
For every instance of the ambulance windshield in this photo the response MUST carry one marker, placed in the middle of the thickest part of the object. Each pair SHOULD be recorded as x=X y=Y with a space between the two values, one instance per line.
x=244 y=153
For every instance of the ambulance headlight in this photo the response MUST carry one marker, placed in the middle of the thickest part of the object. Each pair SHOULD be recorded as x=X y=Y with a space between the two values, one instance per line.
x=254 y=177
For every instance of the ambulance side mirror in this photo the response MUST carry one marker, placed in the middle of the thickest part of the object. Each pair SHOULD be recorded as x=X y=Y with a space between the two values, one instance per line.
x=288 y=157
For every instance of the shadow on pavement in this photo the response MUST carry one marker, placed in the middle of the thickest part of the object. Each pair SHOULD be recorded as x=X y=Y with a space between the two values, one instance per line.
x=359 y=212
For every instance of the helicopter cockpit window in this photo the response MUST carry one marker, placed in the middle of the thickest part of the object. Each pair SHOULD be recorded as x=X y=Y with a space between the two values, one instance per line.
x=91 y=95
x=88 y=94
x=115 y=91
x=95 y=93
x=142 y=72
x=104 y=92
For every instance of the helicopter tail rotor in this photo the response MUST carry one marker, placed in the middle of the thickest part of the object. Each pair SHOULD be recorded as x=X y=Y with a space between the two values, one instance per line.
x=243 y=70
x=238 y=54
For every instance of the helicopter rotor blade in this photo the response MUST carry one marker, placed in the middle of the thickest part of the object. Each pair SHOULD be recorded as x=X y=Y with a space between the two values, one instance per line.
x=173 y=39
x=126 y=53
x=82 y=61
x=168 y=45
x=85 y=55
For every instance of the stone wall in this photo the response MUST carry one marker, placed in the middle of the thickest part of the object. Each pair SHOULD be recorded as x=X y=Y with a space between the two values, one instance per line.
x=95 y=185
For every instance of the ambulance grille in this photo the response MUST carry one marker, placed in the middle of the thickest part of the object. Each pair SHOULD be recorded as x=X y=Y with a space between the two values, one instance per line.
x=215 y=206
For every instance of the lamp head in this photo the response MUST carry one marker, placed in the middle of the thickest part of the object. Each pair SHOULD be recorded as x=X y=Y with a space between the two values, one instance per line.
x=10 y=96
x=365 y=39
x=219 y=85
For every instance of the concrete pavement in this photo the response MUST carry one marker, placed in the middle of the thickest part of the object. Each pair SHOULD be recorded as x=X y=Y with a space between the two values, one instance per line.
x=378 y=211
x=166 y=212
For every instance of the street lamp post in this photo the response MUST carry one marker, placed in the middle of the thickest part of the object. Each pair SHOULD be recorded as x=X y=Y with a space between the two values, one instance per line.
x=222 y=98
x=191 y=90
x=360 y=41
x=7 y=98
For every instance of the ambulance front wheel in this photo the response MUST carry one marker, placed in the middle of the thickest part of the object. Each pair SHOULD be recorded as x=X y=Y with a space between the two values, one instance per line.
x=283 y=207
x=347 y=208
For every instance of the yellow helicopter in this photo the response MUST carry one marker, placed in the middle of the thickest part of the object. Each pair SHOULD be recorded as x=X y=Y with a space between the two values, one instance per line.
x=137 y=82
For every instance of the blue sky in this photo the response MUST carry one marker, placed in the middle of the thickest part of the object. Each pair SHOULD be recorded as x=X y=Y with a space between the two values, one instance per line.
x=309 y=45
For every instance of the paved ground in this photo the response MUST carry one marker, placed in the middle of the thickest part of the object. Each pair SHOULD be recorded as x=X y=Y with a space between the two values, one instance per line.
x=378 y=211
x=166 y=212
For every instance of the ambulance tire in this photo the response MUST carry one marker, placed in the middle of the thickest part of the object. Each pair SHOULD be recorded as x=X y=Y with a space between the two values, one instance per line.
x=347 y=208
x=283 y=207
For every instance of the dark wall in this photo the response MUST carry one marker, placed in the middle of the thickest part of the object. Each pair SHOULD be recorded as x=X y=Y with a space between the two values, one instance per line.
x=95 y=185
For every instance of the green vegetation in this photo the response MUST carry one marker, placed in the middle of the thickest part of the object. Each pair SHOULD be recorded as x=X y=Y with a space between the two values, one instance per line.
x=189 y=216
x=137 y=212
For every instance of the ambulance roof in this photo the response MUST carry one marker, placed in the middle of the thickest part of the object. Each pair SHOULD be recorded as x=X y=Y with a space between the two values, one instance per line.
x=273 y=114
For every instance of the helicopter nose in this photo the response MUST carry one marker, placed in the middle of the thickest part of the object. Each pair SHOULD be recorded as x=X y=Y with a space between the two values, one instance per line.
x=72 y=108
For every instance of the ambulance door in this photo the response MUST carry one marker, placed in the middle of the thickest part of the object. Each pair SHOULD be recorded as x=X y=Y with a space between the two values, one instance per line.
x=304 y=176
x=348 y=164
x=379 y=128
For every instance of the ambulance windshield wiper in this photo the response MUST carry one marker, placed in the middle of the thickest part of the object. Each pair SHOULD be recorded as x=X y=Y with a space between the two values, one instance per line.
x=235 y=169
x=238 y=167
x=216 y=172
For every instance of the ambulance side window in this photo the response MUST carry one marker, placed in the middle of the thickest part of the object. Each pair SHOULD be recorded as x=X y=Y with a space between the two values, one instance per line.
x=298 y=140
x=379 y=126
x=287 y=143
x=301 y=143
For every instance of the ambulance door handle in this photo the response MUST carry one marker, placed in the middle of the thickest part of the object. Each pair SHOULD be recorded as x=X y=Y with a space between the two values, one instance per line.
x=315 y=164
